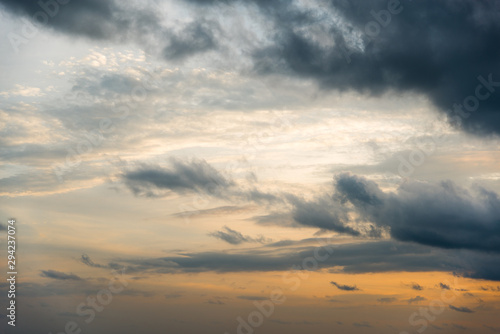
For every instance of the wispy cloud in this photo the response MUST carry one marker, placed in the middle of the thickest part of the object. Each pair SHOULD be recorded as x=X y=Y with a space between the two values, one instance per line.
x=58 y=275
x=462 y=309
x=345 y=287
x=235 y=238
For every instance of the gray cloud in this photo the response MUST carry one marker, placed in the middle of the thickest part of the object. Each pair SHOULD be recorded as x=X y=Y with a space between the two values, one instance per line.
x=235 y=238
x=197 y=37
x=321 y=214
x=194 y=176
x=120 y=22
x=441 y=215
x=96 y=19
x=345 y=287
x=453 y=218
x=416 y=286
x=365 y=257
x=202 y=178
x=444 y=286
x=462 y=309
x=85 y=259
x=433 y=55
x=59 y=275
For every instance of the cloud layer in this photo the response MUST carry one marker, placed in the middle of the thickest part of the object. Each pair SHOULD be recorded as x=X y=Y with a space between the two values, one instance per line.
x=445 y=50
x=442 y=215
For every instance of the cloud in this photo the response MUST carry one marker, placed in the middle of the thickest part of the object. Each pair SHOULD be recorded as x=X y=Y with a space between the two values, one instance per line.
x=94 y=19
x=416 y=286
x=3 y=227
x=352 y=258
x=462 y=309
x=196 y=37
x=444 y=286
x=235 y=238
x=416 y=299
x=85 y=259
x=322 y=214
x=327 y=43
x=59 y=275
x=173 y=295
x=116 y=21
x=252 y=298
x=198 y=176
x=387 y=300
x=193 y=176
x=441 y=215
x=345 y=287
x=330 y=45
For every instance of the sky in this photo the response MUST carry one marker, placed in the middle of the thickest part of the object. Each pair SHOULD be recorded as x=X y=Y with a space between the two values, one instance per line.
x=230 y=166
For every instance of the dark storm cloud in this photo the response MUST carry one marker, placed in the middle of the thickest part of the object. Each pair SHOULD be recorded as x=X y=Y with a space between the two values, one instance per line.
x=59 y=275
x=345 y=287
x=462 y=309
x=234 y=237
x=437 y=48
x=441 y=215
x=195 y=176
x=446 y=50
